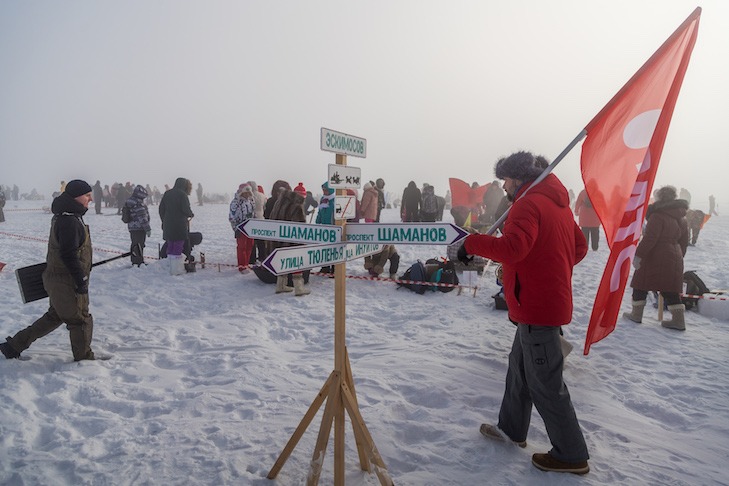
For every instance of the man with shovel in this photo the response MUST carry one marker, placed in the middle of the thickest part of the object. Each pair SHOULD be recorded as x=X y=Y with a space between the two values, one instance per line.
x=66 y=277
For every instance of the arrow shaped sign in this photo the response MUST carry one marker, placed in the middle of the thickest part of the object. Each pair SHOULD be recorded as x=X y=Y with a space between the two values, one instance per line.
x=272 y=229
x=405 y=233
x=299 y=258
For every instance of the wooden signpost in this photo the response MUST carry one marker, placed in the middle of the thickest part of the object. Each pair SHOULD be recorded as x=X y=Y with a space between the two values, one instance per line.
x=338 y=391
x=362 y=240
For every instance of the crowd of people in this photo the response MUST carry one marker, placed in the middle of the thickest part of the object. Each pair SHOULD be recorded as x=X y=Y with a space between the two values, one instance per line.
x=540 y=241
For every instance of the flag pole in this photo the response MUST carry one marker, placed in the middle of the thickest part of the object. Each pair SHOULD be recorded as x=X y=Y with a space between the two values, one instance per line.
x=541 y=177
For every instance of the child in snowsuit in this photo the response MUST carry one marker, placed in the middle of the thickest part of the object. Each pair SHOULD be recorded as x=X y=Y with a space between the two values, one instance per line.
x=136 y=215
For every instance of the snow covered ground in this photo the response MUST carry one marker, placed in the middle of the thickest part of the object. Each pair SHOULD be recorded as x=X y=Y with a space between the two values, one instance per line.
x=211 y=372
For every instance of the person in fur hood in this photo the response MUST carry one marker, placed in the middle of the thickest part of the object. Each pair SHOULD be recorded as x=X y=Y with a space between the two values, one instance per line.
x=289 y=207
x=658 y=259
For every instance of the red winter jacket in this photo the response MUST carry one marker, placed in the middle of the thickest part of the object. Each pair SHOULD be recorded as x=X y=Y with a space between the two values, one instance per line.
x=541 y=243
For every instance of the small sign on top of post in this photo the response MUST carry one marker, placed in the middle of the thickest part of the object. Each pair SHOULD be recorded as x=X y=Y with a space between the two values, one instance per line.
x=344 y=177
x=342 y=143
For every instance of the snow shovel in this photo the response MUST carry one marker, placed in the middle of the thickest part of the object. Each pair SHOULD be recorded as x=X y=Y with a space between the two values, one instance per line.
x=30 y=279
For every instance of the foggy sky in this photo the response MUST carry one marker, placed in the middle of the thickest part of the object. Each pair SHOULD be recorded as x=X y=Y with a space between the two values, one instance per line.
x=222 y=92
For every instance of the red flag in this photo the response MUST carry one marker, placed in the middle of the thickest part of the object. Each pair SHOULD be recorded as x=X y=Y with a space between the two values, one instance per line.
x=462 y=194
x=619 y=162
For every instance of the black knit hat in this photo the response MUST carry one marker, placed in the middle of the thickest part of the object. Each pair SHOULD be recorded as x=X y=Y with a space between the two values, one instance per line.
x=77 y=187
x=520 y=165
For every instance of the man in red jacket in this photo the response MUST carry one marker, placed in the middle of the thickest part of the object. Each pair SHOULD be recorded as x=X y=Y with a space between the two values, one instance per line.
x=540 y=245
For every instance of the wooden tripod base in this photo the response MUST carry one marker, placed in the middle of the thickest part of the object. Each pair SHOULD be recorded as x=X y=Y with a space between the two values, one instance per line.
x=338 y=392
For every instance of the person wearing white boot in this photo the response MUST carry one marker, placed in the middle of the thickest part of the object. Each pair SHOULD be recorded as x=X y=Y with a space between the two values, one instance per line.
x=658 y=259
x=300 y=287
x=282 y=284
x=677 y=321
x=175 y=213
x=289 y=206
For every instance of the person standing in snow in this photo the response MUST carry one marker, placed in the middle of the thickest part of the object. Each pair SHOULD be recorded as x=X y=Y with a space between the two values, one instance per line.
x=2 y=205
x=368 y=206
x=588 y=219
x=66 y=277
x=289 y=207
x=259 y=203
x=242 y=207
x=136 y=215
x=712 y=206
x=98 y=195
x=175 y=213
x=411 y=199
x=325 y=215
x=199 y=194
x=310 y=204
x=695 y=219
x=540 y=245
x=381 y=203
x=658 y=260
x=491 y=200
x=276 y=190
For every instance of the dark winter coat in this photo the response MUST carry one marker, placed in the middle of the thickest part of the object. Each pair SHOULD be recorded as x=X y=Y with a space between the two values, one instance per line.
x=662 y=248
x=275 y=192
x=411 y=198
x=541 y=244
x=98 y=193
x=138 y=212
x=289 y=207
x=492 y=198
x=69 y=245
x=429 y=204
x=380 y=186
x=175 y=211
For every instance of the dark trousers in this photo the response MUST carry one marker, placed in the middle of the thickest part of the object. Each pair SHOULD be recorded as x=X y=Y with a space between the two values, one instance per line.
x=534 y=378
x=592 y=234
x=139 y=237
x=65 y=307
x=671 y=298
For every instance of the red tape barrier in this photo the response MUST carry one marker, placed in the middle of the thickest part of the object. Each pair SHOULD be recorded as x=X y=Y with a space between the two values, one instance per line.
x=355 y=277
x=47 y=210
x=705 y=297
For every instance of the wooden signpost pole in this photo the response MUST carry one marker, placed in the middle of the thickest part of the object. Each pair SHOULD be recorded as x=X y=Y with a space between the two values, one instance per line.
x=339 y=394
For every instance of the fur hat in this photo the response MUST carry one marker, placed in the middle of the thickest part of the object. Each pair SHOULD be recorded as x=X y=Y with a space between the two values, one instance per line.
x=77 y=187
x=664 y=194
x=244 y=188
x=300 y=189
x=520 y=165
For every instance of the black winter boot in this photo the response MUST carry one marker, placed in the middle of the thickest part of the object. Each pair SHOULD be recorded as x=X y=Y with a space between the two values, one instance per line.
x=8 y=351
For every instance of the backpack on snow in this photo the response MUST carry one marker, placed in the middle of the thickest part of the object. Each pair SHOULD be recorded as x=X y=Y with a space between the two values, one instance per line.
x=434 y=270
x=443 y=271
x=416 y=272
x=693 y=286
